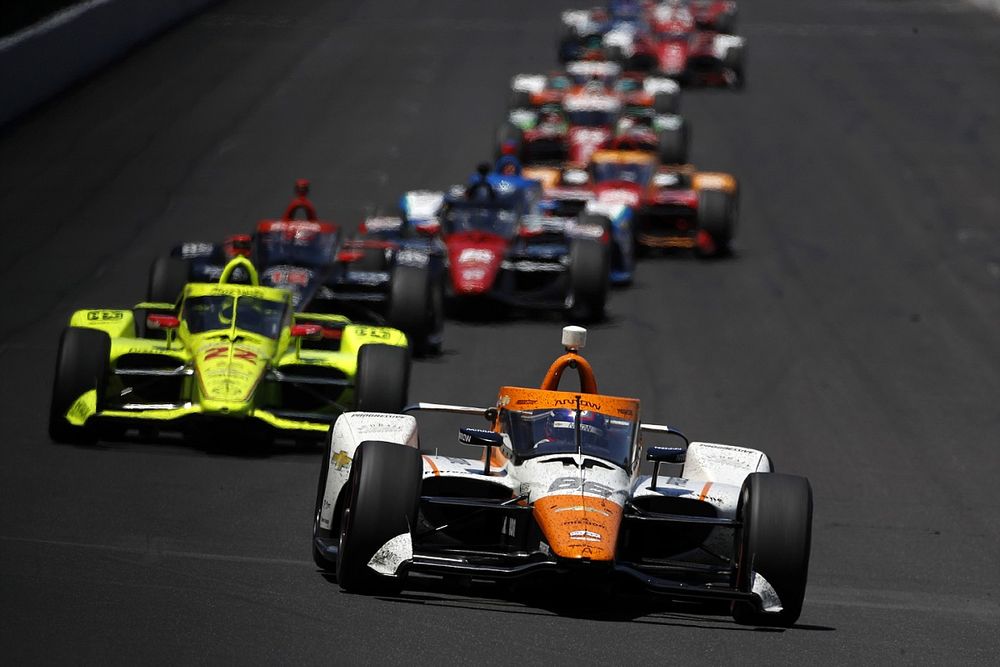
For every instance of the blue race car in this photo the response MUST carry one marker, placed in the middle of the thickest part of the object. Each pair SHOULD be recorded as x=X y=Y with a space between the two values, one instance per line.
x=504 y=245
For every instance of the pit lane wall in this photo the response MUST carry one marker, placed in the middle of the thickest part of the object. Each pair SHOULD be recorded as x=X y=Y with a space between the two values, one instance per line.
x=43 y=59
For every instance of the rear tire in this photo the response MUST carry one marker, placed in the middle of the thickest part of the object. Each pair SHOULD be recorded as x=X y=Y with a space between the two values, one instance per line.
x=569 y=47
x=520 y=99
x=735 y=61
x=776 y=514
x=589 y=279
x=726 y=22
x=717 y=213
x=384 y=490
x=372 y=259
x=167 y=278
x=673 y=145
x=416 y=306
x=383 y=378
x=81 y=365
x=666 y=103
x=615 y=54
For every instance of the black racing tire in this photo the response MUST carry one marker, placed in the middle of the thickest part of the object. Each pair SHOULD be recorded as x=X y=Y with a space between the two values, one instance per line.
x=614 y=54
x=735 y=61
x=167 y=277
x=672 y=144
x=416 y=306
x=81 y=365
x=667 y=103
x=717 y=215
x=520 y=99
x=324 y=470
x=589 y=275
x=595 y=219
x=372 y=259
x=739 y=78
x=384 y=493
x=775 y=512
x=509 y=133
x=726 y=21
x=615 y=254
x=734 y=57
x=569 y=47
x=382 y=382
x=140 y=325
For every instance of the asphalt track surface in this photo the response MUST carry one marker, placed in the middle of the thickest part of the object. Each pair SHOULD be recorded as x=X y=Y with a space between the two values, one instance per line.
x=853 y=336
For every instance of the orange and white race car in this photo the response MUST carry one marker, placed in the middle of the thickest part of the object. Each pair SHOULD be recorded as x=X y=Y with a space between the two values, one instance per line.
x=556 y=492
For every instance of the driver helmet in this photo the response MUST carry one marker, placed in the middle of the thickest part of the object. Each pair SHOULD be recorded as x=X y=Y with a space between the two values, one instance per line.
x=238 y=244
x=548 y=207
x=258 y=315
x=561 y=427
x=508 y=165
x=550 y=118
x=301 y=187
x=480 y=188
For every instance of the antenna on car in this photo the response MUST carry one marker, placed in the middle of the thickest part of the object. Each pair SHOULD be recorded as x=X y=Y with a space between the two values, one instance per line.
x=574 y=338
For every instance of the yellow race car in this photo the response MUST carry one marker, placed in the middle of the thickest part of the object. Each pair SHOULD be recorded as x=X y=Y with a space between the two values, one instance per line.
x=224 y=355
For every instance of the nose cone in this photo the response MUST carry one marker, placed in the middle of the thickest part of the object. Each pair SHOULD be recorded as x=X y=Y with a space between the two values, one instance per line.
x=475 y=260
x=228 y=374
x=578 y=526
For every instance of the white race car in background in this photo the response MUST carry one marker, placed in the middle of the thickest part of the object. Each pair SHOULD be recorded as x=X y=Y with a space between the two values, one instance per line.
x=558 y=492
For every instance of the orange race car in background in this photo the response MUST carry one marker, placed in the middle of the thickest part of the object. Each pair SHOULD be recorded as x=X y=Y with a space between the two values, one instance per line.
x=673 y=206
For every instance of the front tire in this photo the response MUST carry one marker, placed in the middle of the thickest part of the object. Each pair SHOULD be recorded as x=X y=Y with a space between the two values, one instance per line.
x=167 y=277
x=384 y=488
x=81 y=365
x=383 y=378
x=589 y=279
x=416 y=306
x=776 y=515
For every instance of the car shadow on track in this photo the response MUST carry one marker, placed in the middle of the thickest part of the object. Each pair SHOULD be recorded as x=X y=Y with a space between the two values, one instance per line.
x=566 y=601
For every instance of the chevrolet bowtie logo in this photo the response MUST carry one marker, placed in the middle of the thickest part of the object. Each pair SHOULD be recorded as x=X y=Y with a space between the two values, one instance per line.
x=341 y=460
